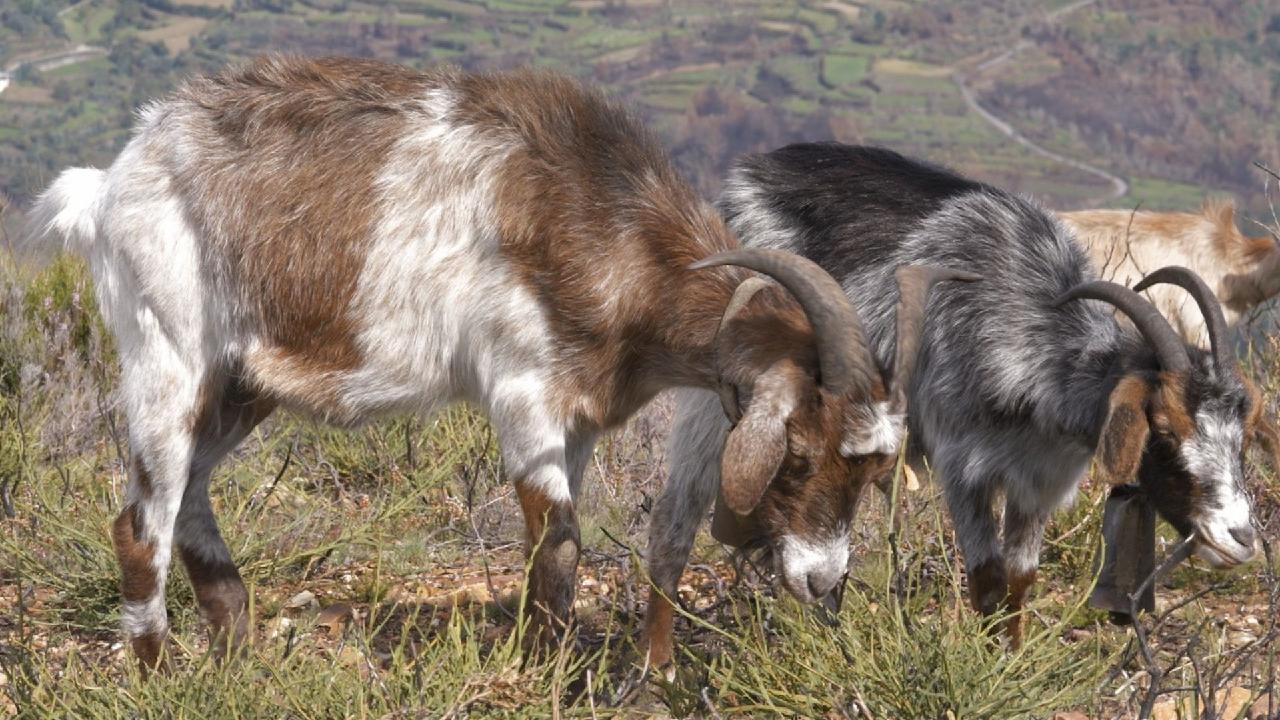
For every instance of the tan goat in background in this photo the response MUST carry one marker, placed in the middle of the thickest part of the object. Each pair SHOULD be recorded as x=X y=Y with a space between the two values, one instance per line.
x=1125 y=245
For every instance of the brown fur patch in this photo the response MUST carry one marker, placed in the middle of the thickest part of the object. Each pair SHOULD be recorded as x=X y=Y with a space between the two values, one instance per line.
x=1171 y=412
x=601 y=230
x=282 y=183
x=659 y=621
x=138 y=572
x=150 y=651
x=1020 y=585
x=988 y=586
x=221 y=596
x=1124 y=435
x=552 y=529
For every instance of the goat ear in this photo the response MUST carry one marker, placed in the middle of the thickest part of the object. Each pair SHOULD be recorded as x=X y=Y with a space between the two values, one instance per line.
x=1124 y=435
x=757 y=445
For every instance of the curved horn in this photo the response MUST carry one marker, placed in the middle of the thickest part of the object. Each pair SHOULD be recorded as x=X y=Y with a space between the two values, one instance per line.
x=843 y=358
x=1170 y=350
x=742 y=295
x=914 y=284
x=1210 y=308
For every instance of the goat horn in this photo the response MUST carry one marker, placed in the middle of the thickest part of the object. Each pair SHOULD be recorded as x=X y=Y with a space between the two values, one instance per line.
x=1210 y=308
x=914 y=284
x=843 y=359
x=1170 y=350
x=742 y=295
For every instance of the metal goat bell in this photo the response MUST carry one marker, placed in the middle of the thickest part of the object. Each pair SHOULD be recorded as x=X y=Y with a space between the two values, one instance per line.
x=1128 y=554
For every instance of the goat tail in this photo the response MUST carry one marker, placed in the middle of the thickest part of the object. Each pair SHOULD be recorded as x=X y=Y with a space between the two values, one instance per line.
x=65 y=213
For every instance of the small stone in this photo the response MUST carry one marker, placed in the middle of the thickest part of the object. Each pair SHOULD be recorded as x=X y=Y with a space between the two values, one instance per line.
x=1260 y=707
x=1251 y=620
x=475 y=594
x=334 y=617
x=1070 y=715
x=1165 y=710
x=278 y=627
x=1240 y=638
x=1236 y=701
x=306 y=598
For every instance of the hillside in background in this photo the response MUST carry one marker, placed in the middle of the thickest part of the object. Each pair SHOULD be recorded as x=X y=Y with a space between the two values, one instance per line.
x=1155 y=102
x=386 y=562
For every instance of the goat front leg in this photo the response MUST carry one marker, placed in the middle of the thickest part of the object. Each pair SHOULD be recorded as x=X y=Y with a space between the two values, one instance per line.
x=552 y=543
x=970 y=505
x=697 y=442
x=535 y=455
x=1023 y=533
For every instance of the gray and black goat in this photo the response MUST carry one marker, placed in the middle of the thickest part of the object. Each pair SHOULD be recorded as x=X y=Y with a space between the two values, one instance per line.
x=1023 y=380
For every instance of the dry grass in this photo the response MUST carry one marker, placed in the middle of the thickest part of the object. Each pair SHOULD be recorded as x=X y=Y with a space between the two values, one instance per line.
x=385 y=567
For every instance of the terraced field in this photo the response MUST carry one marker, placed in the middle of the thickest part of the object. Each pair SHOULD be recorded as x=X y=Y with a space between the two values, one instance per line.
x=715 y=78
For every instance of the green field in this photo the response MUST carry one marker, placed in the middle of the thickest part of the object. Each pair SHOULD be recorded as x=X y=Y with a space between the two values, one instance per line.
x=811 y=64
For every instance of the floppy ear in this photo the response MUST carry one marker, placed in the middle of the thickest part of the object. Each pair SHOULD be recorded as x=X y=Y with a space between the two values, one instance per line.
x=757 y=445
x=1124 y=435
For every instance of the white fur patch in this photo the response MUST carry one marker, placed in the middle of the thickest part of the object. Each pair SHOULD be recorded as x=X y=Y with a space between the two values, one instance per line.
x=1213 y=456
x=443 y=316
x=753 y=220
x=880 y=433
x=147 y=617
x=67 y=209
x=805 y=564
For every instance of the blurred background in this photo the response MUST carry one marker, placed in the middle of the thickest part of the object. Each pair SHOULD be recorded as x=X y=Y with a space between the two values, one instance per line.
x=1083 y=103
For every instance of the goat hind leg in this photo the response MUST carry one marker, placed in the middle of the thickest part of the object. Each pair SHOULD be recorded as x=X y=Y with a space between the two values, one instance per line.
x=227 y=413
x=159 y=404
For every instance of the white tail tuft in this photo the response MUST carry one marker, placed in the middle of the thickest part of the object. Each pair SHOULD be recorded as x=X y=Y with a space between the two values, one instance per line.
x=67 y=210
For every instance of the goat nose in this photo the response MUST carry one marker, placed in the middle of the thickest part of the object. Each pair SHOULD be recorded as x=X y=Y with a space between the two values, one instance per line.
x=821 y=584
x=1245 y=535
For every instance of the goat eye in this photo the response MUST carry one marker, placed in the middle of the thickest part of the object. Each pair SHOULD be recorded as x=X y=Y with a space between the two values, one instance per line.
x=797 y=464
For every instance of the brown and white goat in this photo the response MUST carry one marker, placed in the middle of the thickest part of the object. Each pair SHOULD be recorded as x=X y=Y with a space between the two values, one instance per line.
x=351 y=239
x=1126 y=245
